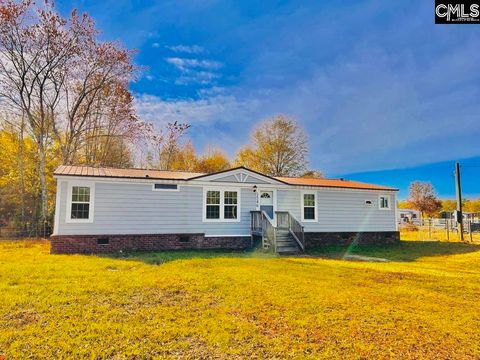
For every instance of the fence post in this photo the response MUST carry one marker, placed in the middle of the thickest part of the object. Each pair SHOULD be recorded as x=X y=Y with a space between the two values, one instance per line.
x=470 y=230
x=429 y=229
x=447 y=225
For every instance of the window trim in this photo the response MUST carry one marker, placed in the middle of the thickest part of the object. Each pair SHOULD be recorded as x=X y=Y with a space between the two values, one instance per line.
x=302 y=203
x=222 y=205
x=155 y=189
x=68 y=213
x=380 y=202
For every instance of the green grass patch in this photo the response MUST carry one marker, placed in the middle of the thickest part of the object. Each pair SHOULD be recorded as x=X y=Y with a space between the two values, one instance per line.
x=203 y=304
x=161 y=257
x=403 y=251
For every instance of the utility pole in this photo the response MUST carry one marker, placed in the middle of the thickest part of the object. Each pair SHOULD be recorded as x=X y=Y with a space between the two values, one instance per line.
x=458 y=190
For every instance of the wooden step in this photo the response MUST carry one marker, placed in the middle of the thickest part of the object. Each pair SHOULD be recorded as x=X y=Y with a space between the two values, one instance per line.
x=288 y=250
x=285 y=239
x=286 y=243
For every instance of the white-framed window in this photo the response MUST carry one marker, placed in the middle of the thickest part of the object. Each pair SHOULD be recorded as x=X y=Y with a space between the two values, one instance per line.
x=309 y=206
x=164 y=187
x=384 y=202
x=80 y=202
x=221 y=205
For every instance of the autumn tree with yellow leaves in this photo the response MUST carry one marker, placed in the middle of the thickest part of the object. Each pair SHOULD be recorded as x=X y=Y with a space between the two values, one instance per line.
x=278 y=147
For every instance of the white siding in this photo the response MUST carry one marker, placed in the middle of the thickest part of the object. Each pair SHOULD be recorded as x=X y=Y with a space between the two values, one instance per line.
x=129 y=208
x=342 y=210
x=133 y=208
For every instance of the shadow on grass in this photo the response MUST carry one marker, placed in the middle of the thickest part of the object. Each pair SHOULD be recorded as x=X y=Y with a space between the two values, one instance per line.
x=403 y=251
x=161 y=257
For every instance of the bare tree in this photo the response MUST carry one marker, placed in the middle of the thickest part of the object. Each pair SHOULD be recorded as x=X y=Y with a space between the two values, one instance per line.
x=422 y=197
x=35 y=45
x=68 y=86
x=168 y=144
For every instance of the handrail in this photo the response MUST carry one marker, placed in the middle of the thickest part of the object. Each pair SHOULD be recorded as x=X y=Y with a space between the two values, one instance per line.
x=256 y=222
x=262 y=224
x=297 y=230
x=288 y=222
x=269 y=231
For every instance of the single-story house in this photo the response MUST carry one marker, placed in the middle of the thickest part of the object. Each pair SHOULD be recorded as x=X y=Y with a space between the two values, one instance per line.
x=110 y=210
x=408 y=216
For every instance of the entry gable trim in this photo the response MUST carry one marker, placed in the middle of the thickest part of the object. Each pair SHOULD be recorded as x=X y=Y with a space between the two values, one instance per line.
x=241 y=174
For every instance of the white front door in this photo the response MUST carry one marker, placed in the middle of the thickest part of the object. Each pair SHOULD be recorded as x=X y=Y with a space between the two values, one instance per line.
x=266 y=202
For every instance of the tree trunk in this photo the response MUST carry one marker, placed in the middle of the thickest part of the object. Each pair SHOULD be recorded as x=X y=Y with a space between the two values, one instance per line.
x=21 y=169
x=43 y=181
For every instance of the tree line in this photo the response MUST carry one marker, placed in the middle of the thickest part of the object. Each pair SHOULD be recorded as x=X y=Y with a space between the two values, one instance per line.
x=65 y=99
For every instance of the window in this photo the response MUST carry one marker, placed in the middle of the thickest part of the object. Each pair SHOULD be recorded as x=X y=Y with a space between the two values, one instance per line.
x=309 y=207
x=221 y=205
x=160 y=187
x=384 y=202
x=213 y=204
x=80 y=203
x=230 y=208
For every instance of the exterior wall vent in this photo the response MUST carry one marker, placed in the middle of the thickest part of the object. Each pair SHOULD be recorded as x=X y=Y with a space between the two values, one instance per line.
x=103 y=241
x=165 y=187
x=184 y=238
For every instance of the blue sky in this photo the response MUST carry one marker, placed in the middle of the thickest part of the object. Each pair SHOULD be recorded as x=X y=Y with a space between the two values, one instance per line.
x=385 y=95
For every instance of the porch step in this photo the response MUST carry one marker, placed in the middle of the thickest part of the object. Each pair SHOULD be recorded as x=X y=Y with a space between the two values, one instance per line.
x=288 y=250
x=286 y=242
x=286 y=245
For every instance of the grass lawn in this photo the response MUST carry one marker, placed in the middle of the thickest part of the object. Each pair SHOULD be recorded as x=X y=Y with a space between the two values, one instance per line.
x=425 y=303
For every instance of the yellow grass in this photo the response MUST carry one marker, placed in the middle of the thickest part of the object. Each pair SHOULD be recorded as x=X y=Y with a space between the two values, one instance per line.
x=423 y=304
x=424 y=234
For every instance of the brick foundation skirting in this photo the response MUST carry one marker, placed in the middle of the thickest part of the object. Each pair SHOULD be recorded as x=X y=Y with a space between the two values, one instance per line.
x=89 y=244
x=317 y=239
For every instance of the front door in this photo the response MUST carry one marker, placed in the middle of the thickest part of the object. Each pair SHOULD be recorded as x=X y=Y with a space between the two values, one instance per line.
x=266 y=202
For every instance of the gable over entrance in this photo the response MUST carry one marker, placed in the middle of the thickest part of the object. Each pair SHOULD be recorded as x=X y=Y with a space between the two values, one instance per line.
x=240 y=175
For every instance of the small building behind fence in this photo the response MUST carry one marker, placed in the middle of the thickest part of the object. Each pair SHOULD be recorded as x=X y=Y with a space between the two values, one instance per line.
x=408 y=216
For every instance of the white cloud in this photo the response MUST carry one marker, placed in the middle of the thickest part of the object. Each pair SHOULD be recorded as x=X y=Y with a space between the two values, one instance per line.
x=355 y=121
x=204 y=111
x=383 y=97
x=155 y=45
x=217 y=120
x=195 y=71
x=192 y=49
x=185 y=64
x=196 y=77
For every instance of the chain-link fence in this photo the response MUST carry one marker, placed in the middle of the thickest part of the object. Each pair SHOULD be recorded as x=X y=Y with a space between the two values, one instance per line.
x=29 y=231
x=440 y=230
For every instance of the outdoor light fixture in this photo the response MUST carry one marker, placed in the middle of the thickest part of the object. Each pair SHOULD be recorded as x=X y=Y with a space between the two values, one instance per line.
x=254 y=188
